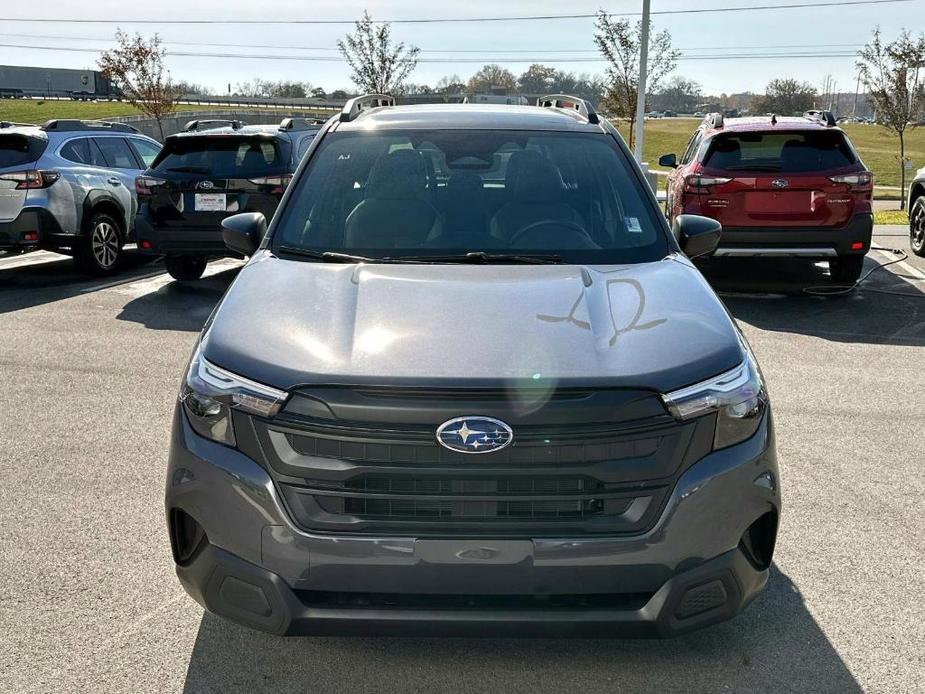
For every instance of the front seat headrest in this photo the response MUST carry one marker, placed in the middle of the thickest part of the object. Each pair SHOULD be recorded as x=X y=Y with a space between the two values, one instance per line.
x=536 y=178
x=400 y=175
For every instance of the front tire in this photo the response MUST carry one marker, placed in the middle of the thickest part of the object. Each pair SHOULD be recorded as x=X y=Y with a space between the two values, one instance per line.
x=100 y=253
x=846 y=269
x=917 y=226
x=185 y=268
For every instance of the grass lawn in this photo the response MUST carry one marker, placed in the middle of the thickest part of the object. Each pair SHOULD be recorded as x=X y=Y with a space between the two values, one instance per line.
x=891 y=217
x=877 y=146
x=34 y=111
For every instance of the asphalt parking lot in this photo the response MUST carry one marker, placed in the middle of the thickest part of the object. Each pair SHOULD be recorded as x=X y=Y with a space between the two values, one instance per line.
x=90 y=603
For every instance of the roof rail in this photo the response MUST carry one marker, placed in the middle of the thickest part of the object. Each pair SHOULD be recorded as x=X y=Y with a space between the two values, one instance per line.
x=714 y=120
x=826 y=117
x=573 y=103
x=73 y=125
x=299 y=124
x=354 y=106
x=212 y=123
x=14 y=124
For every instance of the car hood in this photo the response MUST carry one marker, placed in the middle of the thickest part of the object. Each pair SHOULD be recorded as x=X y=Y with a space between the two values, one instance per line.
x=288 y=323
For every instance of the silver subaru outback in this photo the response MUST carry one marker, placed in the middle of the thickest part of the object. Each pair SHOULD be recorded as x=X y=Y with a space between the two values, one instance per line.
x=69 y=186
x=470 y=381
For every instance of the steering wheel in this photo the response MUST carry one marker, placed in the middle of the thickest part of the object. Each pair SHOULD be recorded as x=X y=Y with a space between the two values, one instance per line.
x=576 y=229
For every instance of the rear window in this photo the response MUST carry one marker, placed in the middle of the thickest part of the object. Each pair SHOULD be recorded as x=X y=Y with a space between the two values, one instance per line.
x=17 y=150
x=780 y=151
x=223 y=157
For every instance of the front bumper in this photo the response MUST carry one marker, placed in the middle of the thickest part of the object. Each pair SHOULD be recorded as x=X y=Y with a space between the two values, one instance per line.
x=160 y=240
x=810 y=242
x=691 y=569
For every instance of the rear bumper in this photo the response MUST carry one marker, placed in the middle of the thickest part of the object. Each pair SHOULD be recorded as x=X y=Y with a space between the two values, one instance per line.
x=30 y=221
x=818 y=242
x=185 y=241
x=256 y=567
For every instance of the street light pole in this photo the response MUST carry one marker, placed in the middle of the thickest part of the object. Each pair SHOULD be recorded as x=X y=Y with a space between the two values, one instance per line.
x=641 y=93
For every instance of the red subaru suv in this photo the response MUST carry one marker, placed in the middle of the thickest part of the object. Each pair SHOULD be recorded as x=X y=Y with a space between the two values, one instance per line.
x=788 y=187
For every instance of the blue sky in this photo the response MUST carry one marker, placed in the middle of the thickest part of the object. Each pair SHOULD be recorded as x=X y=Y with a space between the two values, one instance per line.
x=842 y=28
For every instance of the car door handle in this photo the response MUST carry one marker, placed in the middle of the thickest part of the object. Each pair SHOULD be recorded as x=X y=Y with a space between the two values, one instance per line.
x=114 y=180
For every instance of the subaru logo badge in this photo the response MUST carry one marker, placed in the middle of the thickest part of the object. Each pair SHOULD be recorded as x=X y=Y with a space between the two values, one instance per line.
x=474 y=434
x=205 y=185
x=779 y=183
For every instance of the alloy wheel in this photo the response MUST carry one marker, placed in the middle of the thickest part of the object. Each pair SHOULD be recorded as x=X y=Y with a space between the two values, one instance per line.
x=917 y=227
x=104 y=242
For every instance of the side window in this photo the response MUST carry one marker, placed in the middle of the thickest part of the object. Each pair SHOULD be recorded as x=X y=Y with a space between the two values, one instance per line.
x=96 y=156
x=77 y=151
x=117 y=153
x=692 y=147
x=145 y=150
x=303 y=146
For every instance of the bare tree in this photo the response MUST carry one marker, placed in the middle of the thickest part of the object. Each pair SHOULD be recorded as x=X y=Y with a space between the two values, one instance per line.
x=449 y=85
x=679 y=94
x=377 y=65
x=619 y=43
x=786 y=97
x=136 y=64
x=538 y=79
x=492 y=77
x=891 y=74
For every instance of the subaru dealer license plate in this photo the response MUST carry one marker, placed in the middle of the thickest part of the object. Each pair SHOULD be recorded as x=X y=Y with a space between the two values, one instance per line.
x=210 y=202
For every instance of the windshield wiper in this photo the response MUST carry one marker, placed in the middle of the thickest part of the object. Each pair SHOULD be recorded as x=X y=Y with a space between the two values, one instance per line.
x=483 y=257
x=189 y=169
x=473 y=257
x=330 y=257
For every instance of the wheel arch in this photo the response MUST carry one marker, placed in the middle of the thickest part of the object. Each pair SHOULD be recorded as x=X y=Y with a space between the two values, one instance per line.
x=916 y=190
x=100 y=201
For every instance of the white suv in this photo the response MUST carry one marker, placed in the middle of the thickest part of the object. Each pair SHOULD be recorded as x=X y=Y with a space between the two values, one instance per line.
x=68 y=186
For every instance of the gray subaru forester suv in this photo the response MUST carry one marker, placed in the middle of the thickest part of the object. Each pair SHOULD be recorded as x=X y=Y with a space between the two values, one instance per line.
x=471 y=382
x=69 y=186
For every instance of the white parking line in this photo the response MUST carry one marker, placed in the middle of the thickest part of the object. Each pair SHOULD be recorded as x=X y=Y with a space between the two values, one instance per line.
x=154 y=282
x=910 y=269
x=31 y=258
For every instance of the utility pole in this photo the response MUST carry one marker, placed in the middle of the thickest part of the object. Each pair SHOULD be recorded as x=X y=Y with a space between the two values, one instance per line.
x=641 y=93
x=856 y=90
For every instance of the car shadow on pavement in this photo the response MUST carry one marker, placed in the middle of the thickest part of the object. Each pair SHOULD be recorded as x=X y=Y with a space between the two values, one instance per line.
x=770 y=294
x=54 y=278
x=774 y=646
x=178 y=305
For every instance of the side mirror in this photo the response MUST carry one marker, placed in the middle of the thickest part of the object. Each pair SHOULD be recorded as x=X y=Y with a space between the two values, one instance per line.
x=696 y=235
x=669 y=161
x=243 y=232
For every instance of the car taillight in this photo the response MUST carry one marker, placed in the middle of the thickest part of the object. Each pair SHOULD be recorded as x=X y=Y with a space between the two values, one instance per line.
x=27 y=180
x=865 y=178
x=279 y=182
x=700 y=182
x=145 y=185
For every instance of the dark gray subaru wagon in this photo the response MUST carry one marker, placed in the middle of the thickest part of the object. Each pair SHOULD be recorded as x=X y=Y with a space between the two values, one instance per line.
x=470 y=382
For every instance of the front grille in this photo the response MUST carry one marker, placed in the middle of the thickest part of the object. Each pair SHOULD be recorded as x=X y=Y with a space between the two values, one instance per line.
x=423 y=601
x=379 y=469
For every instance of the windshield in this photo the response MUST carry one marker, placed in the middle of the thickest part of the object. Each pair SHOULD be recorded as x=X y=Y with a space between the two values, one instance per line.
x=434 y=193
x=17 y=150
x=221 y=157
x=780 y=151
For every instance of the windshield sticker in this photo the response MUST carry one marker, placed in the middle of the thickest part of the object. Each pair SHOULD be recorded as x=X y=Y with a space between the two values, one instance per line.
x=633 y=226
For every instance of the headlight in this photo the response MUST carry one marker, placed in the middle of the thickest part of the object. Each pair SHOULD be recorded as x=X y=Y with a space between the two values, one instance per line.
x=738 y=397
x=209 y=393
